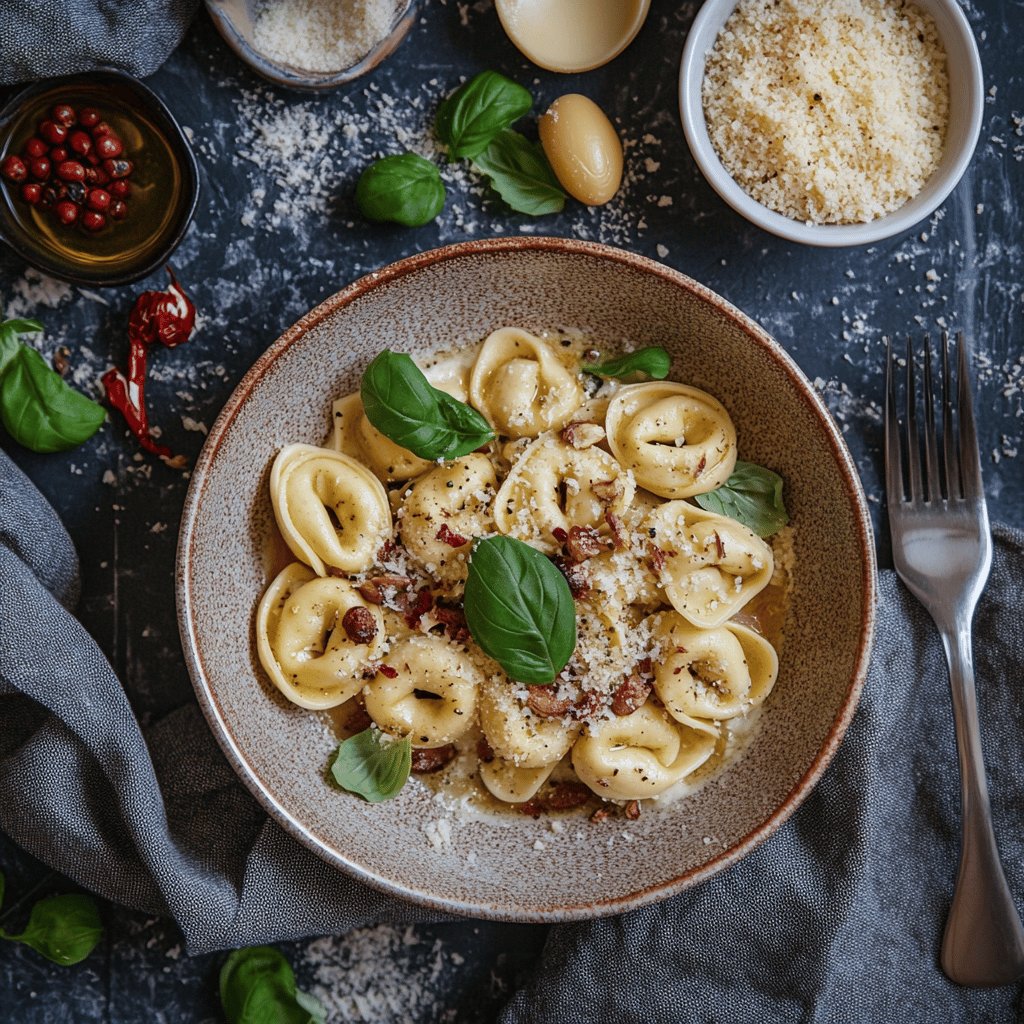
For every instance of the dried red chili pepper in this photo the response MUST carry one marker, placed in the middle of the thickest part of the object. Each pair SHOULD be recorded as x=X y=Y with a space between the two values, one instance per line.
x=167 y=317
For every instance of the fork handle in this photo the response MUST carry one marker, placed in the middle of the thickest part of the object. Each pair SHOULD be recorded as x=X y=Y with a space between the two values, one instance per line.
x=984 y=942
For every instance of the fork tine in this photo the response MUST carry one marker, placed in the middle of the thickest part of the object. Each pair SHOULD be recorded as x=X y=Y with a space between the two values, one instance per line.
x=970 y=459
x=931 y=447
x=953 y=489
x=893 y=459
x=913 y=449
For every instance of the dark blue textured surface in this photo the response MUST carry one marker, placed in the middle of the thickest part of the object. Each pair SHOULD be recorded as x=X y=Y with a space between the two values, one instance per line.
x=253 y=267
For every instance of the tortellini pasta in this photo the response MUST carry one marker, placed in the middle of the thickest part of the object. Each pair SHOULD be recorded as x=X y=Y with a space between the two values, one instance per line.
x=640 y=755
x=356 y=436
x=518 y=735
x=677 y=440
x=554 y=486
x=431 y=699
x=712 y=673
x=709 y=565
x=332 y=512
x=302 y=643
x=521 y=386
x=512 y=783
x=450 y=503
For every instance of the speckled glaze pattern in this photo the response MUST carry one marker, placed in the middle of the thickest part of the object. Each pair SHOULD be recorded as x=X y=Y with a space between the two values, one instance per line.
x=444 y=299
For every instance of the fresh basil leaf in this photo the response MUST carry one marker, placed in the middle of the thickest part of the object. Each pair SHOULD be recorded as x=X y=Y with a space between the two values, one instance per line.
x=469 y=119
x=38 y=408
x=22 y=326
x=257 y=986
x=752 y=496
x=520 y=173
x=372 y=765
x=519 y=609
x=9 y=331
x=401 y=403
x=654 y=361
x=405 y=189
x=64 y=929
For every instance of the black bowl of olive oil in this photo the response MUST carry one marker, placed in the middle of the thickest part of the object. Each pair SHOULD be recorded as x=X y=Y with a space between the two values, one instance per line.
x=164 y=182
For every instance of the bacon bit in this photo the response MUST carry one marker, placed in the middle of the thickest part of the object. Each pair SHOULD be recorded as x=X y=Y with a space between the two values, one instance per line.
x=656 y=558
x=423 y=603
x=446 y=536
x=588 y=704
x=601 y=814
x=583 y=435
x=358 y=719
x=632 y=810
x=645 y=667
x=533 y=808
x=483 y=751
x=167 y=317
x=454 y=621
x=543 y=702
x=426 y=760
x=388 y=671
x=62 y=360
x=583 y=543
x=387 y=549
x=607 y=490
x=630 y=695
x=719 y=546
x=371 y=592
x=390 y=580
x=700 y=466
x=681 y=650
x=560 y=535
x=619 y=532
x=566 y=795
x=575 y=575
x=359 y=624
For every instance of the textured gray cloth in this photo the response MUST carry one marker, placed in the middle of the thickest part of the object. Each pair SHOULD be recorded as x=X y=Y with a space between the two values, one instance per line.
x=838 y=917
x=45 y=38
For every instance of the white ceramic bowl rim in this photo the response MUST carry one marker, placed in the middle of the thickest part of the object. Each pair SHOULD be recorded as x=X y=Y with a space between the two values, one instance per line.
x=221 y=727
x=967 y=101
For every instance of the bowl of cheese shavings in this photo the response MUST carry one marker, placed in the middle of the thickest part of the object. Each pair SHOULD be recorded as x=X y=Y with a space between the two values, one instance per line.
x=312 y=44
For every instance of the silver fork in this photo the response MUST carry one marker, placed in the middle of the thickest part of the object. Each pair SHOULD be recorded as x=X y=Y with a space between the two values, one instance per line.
x=942 y=549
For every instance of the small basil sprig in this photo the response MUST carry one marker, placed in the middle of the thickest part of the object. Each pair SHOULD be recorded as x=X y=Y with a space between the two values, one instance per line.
x=37 y=407
x=401 y=403
x=473 y=115
x=257 y=986
x=65 y=929
x=372 y=765
x=519 y=609
x=753 y=496
x=520 y=173
x=405 y=189
x=654 y=361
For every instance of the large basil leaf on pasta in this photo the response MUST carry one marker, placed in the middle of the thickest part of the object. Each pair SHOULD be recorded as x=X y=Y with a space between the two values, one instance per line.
x=372 y=765
x=401 y=403
x=519 y=609
x=751 y=496
x=653 y=361
x=473 y=114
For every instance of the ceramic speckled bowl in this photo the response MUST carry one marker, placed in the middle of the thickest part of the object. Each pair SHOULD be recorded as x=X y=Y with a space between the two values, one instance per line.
x=448 y=298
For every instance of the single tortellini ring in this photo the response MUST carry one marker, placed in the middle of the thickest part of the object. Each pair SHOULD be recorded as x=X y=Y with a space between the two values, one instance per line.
x=511 y=783
x=677 y=440
x=356 y=436
x=639 y=755
x=432 y=699
x=712 y=673
x=302 y=642
x=515 y=733
x=521 y=386
x=332 y=512
x=554 y=486
x=450 y=503
x=709 y=565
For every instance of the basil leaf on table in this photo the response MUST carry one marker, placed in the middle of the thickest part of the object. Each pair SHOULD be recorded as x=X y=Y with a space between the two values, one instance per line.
x=470 y=118
x=654 y=361
x=9 y=331
x=257 y=986
x=402 y=404
x=520 y=173
x=373 y=766
x=38 y=408
x=405 y=189
x=519 y=609
x=65 y=929
x=752 y=496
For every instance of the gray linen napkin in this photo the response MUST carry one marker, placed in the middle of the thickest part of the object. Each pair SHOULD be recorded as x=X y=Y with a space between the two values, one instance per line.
x=836 y=918
x=45 y=38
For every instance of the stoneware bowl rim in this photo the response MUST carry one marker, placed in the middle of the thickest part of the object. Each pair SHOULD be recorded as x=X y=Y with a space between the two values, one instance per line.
x=205 y=465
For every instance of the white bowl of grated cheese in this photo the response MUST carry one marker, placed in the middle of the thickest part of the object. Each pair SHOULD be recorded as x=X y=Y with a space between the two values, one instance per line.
x=833 y=124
